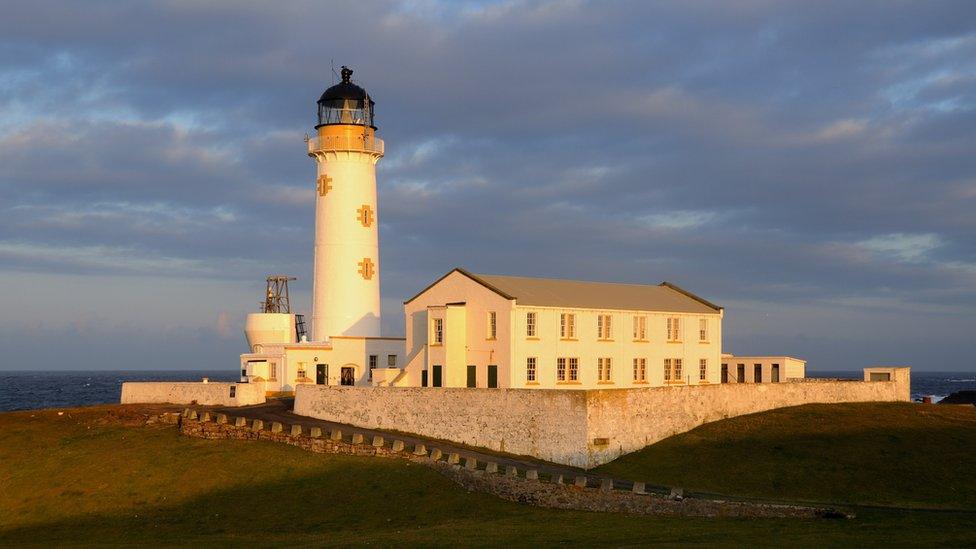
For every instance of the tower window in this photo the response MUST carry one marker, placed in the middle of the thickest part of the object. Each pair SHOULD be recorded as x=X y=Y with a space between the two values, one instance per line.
x=365 y=215
x=366 y=268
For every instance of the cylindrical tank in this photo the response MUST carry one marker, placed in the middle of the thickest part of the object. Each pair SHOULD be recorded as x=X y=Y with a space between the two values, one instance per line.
x=265 y=328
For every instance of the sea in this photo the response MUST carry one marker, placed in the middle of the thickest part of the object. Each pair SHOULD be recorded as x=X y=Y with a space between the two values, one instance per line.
x=24 y=390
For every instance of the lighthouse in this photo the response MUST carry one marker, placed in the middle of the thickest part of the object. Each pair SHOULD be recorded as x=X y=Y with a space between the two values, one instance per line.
x=346 y=268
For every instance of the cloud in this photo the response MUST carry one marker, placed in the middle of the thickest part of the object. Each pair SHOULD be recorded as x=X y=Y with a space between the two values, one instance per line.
x=787 y=155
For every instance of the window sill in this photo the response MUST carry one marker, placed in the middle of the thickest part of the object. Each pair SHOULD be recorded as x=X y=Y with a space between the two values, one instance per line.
x=704 y=342
x=568 y=339
x=568 y=383
x=491 y=339
x=436 y=344
x=531 y=382
x=605 y=383
x=675 y=341
x=605 y=340
x=531 y=338
x=641 y=341
x=639 y=383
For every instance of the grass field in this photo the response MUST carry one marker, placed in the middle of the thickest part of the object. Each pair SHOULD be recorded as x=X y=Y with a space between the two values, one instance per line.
x=882 y=453
x=81 y=479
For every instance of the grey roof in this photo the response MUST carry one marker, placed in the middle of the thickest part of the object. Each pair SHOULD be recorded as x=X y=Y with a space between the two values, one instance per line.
x=549 y=292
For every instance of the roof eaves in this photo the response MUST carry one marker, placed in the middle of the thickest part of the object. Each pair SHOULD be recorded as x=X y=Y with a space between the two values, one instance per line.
x=686 y=293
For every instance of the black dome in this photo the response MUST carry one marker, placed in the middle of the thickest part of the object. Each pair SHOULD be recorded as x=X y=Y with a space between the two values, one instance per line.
x=346 y=103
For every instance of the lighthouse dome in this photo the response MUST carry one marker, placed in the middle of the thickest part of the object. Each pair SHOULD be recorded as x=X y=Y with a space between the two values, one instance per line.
x=346 y=103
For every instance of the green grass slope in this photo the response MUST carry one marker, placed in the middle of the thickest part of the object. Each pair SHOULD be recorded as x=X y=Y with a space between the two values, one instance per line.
x=881 y=453
x=85 y=479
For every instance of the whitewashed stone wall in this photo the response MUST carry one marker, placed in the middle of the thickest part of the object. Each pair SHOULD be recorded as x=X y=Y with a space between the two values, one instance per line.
x=205 y=394
x=546 y=424
x=572 y=427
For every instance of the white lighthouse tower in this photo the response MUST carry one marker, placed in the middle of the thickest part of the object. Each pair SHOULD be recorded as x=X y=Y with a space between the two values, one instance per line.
x=346 y=271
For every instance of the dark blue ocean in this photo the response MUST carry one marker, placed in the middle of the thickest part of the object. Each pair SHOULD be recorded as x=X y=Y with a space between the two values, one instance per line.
x=32 y=390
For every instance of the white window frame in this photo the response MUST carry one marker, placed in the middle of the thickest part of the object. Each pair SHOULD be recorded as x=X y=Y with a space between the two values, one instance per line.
x=640 y=370
x=567 y=326
x=667 y=370
x=573 y=369
x=530 y=369
x=604 y=369
x=677 y=369
x=437 y=331
x=640 y=327
x=561 y=370
x=604 y=327
x=674 y=328
x=530 y=324
x=702 y=369
x=703 y=329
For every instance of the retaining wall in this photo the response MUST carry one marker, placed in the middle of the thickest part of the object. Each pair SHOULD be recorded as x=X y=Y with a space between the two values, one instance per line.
x=572 y=427
x=210 y=393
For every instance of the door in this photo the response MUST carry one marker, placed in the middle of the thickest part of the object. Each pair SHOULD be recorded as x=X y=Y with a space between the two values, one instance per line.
x=492 y=376
x=347 y=376
x=321 y=374
x=740 y=376
x=774 y=373
x=423 y=378
x=725 y=373
x=437 y=376
x=472 y=375
x=757 y=373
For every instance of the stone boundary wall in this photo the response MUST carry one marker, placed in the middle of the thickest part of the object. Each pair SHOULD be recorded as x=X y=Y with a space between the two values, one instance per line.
x=192 y=392
x=629 y=420
x=546 y=424
x=525 y=486
x=581 y=428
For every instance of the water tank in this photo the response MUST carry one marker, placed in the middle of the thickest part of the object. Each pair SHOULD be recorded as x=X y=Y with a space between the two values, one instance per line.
x=265 y=328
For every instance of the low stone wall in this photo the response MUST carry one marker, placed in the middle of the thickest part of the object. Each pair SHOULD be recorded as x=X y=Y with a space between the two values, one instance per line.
x=204 y=394
x=571 y=427
x=522 y=486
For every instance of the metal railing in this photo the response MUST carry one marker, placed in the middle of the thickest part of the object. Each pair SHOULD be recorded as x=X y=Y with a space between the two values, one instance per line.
x=360 y=142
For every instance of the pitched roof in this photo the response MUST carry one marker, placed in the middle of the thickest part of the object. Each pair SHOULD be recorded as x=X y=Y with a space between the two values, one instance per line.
x=549 y=292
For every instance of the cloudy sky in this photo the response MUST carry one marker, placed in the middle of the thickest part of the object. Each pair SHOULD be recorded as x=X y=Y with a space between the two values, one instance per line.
x=811 y=166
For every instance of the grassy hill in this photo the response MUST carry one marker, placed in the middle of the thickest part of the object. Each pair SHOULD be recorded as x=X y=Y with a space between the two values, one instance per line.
x=877 y=453
x=86 y=477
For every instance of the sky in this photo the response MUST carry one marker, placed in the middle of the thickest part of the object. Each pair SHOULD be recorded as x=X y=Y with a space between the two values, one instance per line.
x=809 y=166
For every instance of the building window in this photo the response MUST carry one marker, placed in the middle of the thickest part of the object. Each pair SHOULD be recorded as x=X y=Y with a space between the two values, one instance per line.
x=372 y=361
x=560 y=369
x=391 y=361
x=703 y=329
x=437 y=333
x=640 y=328
x=574 y=369
x=757 y=373
x=273 y=371
x=702 y=369
x=529 y=324
x=301 y=370
x=604 y=326
x=603 y=369
x=492 y=324
x=677 y=369
x=674 y=329
x=667 y=370
x=567 y=325
x=530 y=369
x=640 y=370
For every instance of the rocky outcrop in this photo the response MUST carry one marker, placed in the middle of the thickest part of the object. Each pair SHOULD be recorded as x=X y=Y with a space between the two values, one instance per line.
x=960 y=397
